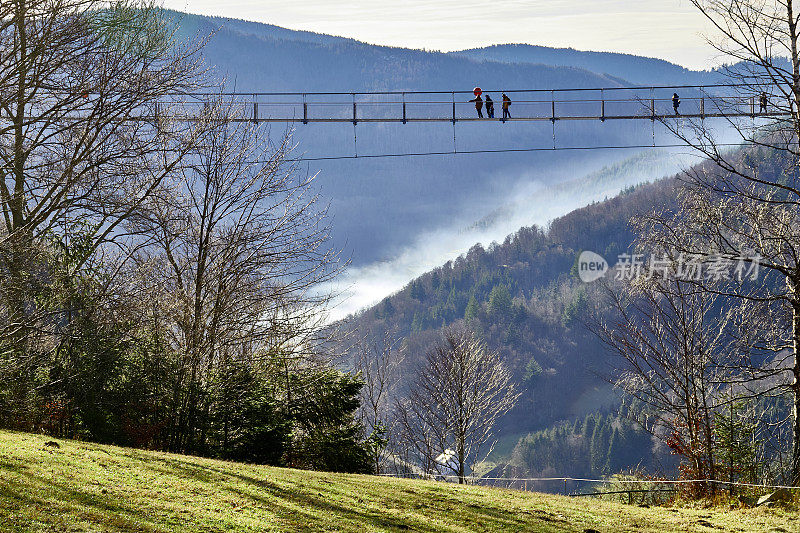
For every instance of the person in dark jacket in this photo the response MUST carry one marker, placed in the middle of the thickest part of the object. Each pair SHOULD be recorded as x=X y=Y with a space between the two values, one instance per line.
x=676 y=103
x=506 y=103
x=762 y=103
x=478 y=105
x=489 y=106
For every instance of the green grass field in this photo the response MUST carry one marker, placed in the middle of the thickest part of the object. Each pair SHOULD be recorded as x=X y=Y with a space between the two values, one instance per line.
x=88 y=487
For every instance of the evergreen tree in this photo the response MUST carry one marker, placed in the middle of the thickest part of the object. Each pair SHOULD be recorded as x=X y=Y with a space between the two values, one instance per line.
x=417 y=322
x=500 y=301
x=473 y=308
x=588 y=427
x=532 y=369
x=519 y=313
x=387 y=309
x=599 y=446
x=614 y=452
x=436 y=279
x=574 y=308
x=737 y=445
x=417 y=290
x=326 y=434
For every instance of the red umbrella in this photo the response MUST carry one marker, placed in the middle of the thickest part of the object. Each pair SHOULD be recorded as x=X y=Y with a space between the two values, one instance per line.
x=477 y=91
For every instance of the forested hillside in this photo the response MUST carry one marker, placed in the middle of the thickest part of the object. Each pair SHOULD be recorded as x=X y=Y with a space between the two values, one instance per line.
x=522 y=296
x=597 y=445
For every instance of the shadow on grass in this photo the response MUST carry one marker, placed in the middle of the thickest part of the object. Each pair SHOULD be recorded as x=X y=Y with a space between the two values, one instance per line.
x=54 y=502
x=285 y=502
x=301 y=507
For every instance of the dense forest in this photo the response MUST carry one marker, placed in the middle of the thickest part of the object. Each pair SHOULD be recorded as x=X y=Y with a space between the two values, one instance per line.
x=593 y=447
x=523 y=297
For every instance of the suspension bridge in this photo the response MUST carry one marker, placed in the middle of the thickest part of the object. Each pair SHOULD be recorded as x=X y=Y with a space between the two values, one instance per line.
x=653 y=103
x=527 y=105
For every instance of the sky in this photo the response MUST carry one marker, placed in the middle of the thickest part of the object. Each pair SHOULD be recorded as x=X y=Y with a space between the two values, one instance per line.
x=668 y=29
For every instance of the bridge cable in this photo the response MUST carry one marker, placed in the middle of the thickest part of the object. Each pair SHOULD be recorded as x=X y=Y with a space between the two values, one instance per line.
x=494 y=151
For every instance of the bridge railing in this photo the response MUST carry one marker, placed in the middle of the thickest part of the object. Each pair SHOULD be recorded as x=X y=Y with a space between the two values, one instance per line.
x=599 y=104
x=440 y=109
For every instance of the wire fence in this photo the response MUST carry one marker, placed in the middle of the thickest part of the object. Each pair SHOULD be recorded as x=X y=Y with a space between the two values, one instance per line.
x=578 y=483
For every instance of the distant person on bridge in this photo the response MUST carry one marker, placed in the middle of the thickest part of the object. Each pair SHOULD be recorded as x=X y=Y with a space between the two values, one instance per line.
x=676 y=103
x=478 y=105
x=489 y=106
x=763 y=100
x=506 y=103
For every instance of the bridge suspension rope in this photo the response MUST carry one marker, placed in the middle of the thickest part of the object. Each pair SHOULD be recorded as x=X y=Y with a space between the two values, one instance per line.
x=495 y=151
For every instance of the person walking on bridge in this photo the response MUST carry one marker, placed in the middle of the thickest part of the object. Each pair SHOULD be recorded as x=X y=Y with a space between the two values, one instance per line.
x=489 y=106
x=763 y=100
x=676 y=103
x=478 y=105
x=506 y=103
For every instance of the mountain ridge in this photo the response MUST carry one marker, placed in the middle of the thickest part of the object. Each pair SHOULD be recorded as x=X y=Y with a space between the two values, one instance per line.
x=639 y=70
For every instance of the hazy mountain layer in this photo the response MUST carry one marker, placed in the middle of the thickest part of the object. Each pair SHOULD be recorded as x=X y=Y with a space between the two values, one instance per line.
x=643 y=71
x=380 y=206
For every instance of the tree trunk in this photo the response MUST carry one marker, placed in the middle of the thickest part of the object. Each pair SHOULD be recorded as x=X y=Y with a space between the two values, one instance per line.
x=796 y=394
x=795 y=283
x=461 y=459
x=16 y=202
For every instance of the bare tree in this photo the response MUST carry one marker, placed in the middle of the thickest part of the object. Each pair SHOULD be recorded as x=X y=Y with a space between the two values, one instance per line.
x=745 y=204
x=459 y=393
x=77 y=148
x=377 y=362
x=78 y=153
x=238 y=250
x=675 y=346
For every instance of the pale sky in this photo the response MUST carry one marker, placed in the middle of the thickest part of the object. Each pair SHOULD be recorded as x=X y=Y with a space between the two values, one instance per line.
x=669 y=29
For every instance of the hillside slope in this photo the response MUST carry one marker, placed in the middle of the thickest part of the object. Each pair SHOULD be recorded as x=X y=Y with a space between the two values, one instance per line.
x=521 y=297
x=265 y=58
x=646 y=71
x=88 y=487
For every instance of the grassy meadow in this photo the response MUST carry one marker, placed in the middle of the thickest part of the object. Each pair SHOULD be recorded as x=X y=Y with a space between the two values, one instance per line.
x=82 y=487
